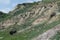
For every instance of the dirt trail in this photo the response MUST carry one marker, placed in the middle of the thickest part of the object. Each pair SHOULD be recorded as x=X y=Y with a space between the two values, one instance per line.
x=48 y=34
x=24 y=29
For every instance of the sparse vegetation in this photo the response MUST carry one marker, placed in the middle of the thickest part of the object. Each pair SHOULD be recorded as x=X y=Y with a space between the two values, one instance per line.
x=28 y=34
x=56 y=37
x=29 y=30
x=49 y=1
x=58 y=6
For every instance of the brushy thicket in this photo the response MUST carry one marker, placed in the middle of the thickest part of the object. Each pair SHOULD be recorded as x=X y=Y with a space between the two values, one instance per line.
x=3 y=15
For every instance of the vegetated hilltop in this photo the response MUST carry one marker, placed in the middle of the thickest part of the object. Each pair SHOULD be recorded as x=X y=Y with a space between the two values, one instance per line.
x=28 y=20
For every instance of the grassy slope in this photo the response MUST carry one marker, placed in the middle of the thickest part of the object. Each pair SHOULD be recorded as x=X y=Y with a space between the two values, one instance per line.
x=28 y=34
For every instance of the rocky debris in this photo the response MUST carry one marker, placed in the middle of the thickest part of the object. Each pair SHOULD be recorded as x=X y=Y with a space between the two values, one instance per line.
x=21 y=21
x=39 y=20
x=8 y=23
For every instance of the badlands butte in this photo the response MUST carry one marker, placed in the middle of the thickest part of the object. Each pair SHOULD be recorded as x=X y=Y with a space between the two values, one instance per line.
x=32 y=21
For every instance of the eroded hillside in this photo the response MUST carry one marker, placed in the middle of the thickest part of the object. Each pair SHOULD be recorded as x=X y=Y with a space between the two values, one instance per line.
x=31 y=21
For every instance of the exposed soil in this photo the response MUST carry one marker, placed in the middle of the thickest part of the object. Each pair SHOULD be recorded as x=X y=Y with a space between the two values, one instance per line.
x=48 y=34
